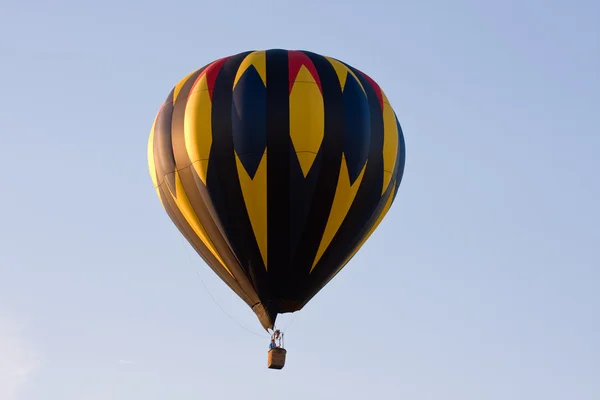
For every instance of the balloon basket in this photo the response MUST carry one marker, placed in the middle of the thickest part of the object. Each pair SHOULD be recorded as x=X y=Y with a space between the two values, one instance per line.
x=276 y=358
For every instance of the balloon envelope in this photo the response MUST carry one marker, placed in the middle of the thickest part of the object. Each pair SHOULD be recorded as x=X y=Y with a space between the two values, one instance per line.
x=276 y=166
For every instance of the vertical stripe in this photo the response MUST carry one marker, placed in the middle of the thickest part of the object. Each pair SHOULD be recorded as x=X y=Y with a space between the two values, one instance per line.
x=163 y=146
x=180 y=102
x=278 y=170
x=198 y=127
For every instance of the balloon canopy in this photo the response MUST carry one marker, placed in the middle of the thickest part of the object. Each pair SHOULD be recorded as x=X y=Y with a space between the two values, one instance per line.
x=276 y=166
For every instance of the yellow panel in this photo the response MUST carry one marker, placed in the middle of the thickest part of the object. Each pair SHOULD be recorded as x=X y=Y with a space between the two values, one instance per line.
x=307 y=118
x=259 y=60
x=197 y=127
x=184 y=206
x=180 y=85
x=342 y=72
x=151 y=164
x=390 y=143
x=255 y=197
x=344 y=196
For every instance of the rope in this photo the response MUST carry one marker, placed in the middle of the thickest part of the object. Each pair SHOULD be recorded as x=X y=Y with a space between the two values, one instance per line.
x=290 y=324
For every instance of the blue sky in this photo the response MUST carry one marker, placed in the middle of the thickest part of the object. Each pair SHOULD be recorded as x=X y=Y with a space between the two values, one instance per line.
x=481 y=283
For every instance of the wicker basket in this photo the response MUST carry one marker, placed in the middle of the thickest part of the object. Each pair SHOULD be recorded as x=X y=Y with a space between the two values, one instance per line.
x=276 y=358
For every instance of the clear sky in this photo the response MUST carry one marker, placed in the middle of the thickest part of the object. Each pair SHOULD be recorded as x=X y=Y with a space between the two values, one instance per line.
x=481 y=284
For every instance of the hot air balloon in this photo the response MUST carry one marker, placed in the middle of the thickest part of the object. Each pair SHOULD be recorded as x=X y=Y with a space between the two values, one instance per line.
x=276 y=166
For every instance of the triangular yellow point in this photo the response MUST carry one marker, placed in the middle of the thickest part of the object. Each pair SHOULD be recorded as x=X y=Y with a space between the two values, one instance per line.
x=340 y=70
x=254 y=191
x=306 y=160
x=259 y=60
x=380 y=217
x=344 y=197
